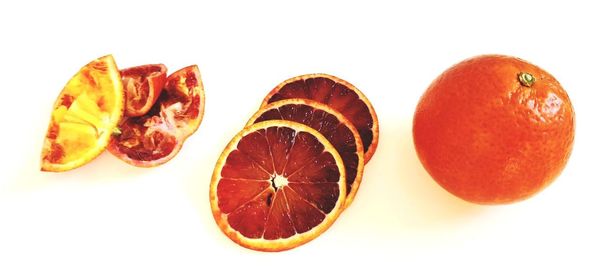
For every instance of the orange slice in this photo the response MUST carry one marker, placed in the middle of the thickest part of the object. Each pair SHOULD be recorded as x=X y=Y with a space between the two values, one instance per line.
x=277 y=185
x=84 y=116
x=337 y=94
x=330 y=123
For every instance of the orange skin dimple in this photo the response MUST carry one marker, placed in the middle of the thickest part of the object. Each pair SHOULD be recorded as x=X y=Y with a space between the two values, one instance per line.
x=486 y=137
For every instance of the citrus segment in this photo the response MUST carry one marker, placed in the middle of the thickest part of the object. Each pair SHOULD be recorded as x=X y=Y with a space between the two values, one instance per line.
x=84 y=116
x=277 y=185
x=157 y=136
x=280 y=225
x=332 y=124
x=142 y=85
x=339 y=95
x=183 y=99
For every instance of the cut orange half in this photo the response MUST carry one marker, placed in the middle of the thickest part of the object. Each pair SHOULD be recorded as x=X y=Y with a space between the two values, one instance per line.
x=337 y=94
x=84 y=116
x=330 y=123
x=277 y=185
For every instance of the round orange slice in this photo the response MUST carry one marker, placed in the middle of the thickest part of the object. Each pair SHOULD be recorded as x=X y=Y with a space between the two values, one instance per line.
x=337 y=94
x=277 y=185
x=84 y=116
x=330 y=123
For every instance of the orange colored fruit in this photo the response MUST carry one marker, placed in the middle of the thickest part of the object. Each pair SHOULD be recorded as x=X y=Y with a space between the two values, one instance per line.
x=84 y=116
x=494 y=129
x=277 y=185
x=331 y=124
x=142 y=85
x=157 y=136
x=338 y=94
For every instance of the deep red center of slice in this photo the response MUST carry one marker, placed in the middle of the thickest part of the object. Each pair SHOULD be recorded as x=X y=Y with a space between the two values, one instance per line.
x=337 y=133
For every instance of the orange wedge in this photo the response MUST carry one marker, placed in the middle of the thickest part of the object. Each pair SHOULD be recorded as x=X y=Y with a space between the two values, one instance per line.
x=84 y=116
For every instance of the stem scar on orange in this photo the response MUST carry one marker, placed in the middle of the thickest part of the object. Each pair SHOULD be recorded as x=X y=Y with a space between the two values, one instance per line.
x=494 y=129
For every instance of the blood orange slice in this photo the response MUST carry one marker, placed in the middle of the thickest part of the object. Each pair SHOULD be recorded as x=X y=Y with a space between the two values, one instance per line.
x=142 y=85
x=84 y=116
x=337 y=94
x=277 y=185
x=331 y=124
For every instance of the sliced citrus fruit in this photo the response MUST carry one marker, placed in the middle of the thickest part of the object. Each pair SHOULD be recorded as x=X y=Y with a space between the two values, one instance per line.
x=331 y=124
x=142 y=85
x=84 y=116
x=157 y=136
x=339 y=95
x=277 y=185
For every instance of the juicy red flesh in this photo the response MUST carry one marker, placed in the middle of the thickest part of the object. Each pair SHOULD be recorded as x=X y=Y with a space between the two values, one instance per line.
x=56 y=153
x=140 y=143
x=138 y=82
x=256 y=207
x=158 y=133
x=67 y=100
x=338 y=97
x=338 y=134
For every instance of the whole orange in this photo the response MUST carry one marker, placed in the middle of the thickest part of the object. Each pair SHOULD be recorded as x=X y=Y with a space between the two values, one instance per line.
x=494 y=129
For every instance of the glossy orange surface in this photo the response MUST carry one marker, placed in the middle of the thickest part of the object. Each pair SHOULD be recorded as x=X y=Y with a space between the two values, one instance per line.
x=494 y=129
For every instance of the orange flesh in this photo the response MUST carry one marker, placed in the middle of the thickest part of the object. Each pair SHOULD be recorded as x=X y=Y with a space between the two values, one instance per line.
x=338 y=97
x=83 y=116
x=278 y=182
x=327 y=124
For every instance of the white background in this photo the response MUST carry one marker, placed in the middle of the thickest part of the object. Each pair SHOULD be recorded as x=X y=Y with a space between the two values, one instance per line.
x=111 y=218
